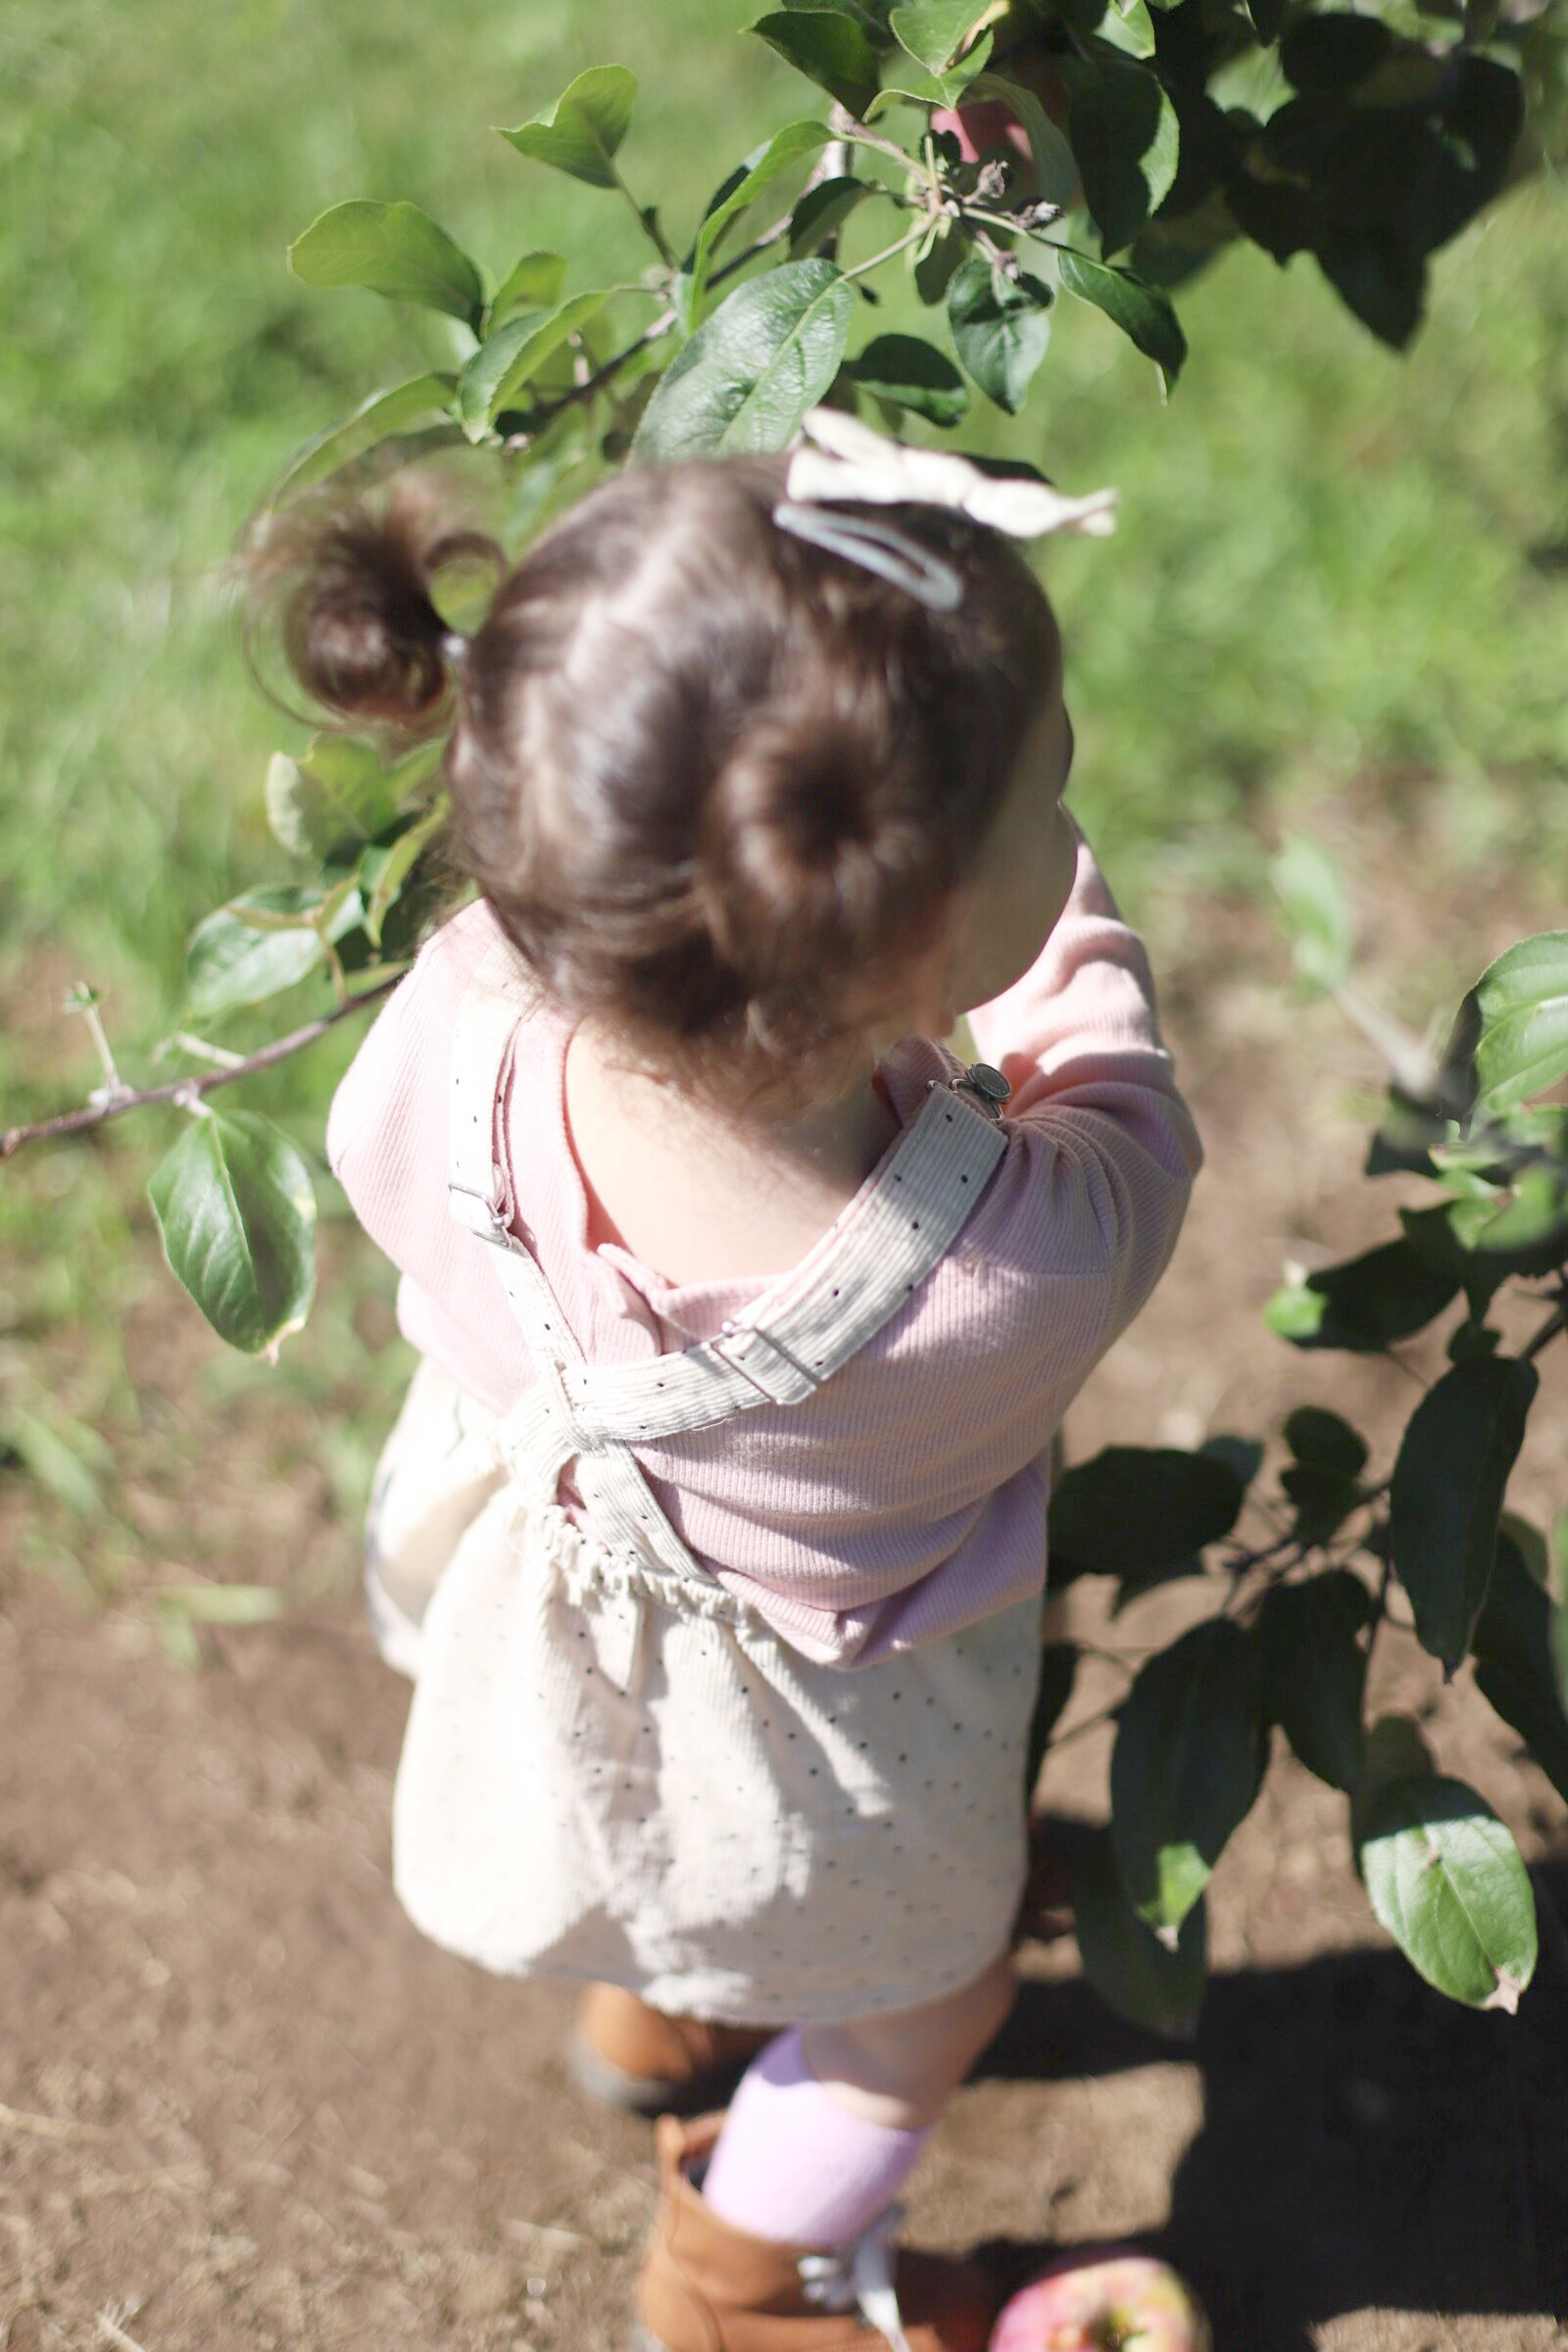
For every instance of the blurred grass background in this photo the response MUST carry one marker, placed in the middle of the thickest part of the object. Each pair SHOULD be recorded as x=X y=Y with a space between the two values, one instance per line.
x=1342 y=577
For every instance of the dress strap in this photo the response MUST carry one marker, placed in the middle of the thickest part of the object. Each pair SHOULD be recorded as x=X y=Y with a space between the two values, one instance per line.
x=803 y=1327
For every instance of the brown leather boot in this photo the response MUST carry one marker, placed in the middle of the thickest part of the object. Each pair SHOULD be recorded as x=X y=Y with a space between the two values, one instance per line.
x=707 y=2287
x=633 y=2056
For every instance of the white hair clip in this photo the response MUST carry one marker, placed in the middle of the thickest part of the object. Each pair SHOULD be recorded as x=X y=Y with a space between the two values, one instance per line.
x=845 y=462
x=876 y=547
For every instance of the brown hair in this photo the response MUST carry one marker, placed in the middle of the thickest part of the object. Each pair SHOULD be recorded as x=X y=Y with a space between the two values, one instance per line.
x=716 y=782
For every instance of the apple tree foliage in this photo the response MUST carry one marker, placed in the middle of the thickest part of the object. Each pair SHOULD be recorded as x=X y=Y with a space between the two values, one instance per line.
x=1014 y=159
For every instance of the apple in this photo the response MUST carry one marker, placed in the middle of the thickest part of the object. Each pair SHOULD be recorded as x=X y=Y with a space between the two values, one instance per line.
x=984 y=125
x=1106 y=2301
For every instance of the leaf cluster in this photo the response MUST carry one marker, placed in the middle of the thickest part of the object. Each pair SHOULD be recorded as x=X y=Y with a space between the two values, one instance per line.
x=1428 y=1551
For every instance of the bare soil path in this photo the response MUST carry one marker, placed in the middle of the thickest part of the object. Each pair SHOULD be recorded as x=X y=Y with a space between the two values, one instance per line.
x=243 y=2106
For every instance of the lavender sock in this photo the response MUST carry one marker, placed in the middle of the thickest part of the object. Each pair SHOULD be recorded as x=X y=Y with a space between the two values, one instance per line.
x=791 y=2164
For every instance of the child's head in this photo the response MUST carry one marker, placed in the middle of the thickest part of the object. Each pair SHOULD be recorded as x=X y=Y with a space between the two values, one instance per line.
x=722 y=787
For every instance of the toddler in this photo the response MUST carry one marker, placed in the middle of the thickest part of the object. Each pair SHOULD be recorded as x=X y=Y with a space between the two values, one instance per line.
x=713 y=1526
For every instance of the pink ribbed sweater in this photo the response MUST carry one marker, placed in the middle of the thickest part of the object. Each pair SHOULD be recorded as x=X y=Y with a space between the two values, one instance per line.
x=907 y=1497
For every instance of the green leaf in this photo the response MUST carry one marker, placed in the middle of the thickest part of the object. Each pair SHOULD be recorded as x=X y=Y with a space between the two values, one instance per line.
x=1131 y=29
x=1447 y=1496
x=225 y=1604
x=262 y=943
x=1364 y=1303
x=1135 y=1508
x=232 y=964
x=1191 y=1746
x=339 y=795
x=933 y=31
x=910 y=86
x=1517 y=1638
x=391 y=249
x=1124 y=135
x=423 y=401
x=1511 y=1040
x=1133 y=1972
x=1523 y=1230
x=912 y=374
x=1445 y=1880
x=1056 y=167
x=583 y=131
x=384 y=870
x=1315 y=1434
x=823 y=212
x=1144 y=313
x=932 y=263
x=237 y=1218
x=66 y=1457
x=944 y=80
x=536 y=281
x=1314 y=1671
x=1059 y=1664
x=751 y=372
x=515 y=352
x=828 y=48
x=743 y=187
x=1000 y=327
x=1316 y=910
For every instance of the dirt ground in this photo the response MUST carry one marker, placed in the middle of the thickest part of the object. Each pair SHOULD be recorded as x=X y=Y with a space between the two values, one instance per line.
x=243 y=2105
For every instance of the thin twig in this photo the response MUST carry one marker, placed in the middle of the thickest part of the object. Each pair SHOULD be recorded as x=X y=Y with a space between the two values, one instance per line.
x=190 y=1090
x=1090 y=1723
x=1556 y=1321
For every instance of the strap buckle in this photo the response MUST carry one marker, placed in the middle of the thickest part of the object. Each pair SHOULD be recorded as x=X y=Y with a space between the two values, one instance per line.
x=985 y=1087
x=794 y=1382
x=477 y=1213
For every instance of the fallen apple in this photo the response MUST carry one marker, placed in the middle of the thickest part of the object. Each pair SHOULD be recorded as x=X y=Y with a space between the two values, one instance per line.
x=1106 y=2301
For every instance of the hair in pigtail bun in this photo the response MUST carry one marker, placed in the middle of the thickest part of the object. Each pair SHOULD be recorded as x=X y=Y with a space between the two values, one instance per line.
x=813 y=848
x=351 y=589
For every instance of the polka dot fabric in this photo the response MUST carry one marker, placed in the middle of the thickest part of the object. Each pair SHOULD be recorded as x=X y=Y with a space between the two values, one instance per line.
x=612 y=1774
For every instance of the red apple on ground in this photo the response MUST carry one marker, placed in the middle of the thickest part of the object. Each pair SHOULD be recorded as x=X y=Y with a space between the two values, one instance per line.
x=1104 y=2301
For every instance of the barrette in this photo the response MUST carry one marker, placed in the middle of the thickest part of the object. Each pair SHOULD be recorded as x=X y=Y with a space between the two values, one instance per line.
x=876 y=547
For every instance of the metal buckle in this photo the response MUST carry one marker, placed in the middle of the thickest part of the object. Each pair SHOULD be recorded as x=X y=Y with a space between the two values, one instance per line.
x=730 y=1330
x=493 y=1228
x=986 y=1088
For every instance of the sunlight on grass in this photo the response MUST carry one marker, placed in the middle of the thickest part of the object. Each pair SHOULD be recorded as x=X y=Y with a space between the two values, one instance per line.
x=1338 y=574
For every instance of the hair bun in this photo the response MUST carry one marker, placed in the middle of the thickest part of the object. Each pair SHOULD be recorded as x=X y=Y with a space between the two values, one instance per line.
x=812 y=844
x=359 y=629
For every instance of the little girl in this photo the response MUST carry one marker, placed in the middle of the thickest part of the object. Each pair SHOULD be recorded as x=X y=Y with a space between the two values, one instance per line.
x=746 y=1314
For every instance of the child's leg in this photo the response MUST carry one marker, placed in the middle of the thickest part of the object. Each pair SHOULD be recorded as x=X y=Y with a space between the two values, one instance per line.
x=900 y=2066
x=828 y=2122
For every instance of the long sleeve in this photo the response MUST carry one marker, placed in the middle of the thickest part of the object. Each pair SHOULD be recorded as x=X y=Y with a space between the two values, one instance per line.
x=1110 y=1147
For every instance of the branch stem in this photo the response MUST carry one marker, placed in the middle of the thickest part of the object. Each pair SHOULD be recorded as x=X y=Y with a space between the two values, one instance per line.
x=187 y=1091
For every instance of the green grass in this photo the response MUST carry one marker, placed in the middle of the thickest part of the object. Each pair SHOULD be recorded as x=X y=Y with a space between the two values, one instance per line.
x=1339 y=574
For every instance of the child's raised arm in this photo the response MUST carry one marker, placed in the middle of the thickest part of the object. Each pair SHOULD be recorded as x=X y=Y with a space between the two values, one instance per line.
x=1111 y=1148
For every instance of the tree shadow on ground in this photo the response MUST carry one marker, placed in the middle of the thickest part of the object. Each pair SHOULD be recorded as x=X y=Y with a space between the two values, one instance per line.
x=1366 y=2144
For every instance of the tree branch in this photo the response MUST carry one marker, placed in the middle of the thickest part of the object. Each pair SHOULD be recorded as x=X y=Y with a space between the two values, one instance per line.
x=188 y=1090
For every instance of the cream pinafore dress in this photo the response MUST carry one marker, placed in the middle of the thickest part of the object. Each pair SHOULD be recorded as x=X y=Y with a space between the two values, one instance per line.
x=614 y=1768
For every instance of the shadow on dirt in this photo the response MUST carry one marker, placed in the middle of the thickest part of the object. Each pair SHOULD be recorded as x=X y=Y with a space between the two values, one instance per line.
x=1391 y=2149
